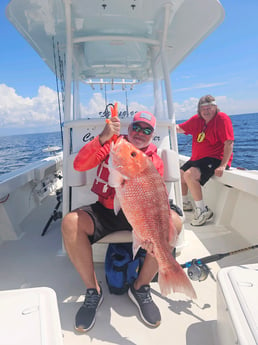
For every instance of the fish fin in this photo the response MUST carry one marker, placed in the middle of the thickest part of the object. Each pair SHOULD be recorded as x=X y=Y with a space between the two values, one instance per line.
x=115 y=179
x=117 y=205
x=136 y=244
x=174 y=278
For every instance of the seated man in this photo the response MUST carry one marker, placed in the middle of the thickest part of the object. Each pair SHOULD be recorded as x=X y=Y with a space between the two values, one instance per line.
x=88 y=224
x=212 y=153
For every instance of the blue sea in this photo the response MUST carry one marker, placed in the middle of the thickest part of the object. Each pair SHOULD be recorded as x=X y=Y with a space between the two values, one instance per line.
x=18 y=150
x=245 y=144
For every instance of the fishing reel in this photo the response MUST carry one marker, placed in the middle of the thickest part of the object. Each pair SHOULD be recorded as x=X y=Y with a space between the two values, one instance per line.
x=197 y=270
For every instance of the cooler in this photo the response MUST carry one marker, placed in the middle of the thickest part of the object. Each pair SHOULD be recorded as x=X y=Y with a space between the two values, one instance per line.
x=29 y=316
x=237 y=305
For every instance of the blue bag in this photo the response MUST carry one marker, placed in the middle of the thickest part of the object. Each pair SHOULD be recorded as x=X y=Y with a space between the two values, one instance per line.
x=120 y=268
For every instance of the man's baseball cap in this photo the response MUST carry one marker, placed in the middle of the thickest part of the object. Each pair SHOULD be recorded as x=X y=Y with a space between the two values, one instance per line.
x=145 y=116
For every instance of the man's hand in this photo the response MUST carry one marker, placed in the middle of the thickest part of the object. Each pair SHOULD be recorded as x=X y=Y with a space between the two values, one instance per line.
x=111 y=128
x=148 y=246
x=219 y=171
x=228 y=149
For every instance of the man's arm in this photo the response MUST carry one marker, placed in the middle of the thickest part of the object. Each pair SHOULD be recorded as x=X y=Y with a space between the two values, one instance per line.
x=179 y=129
x=228 y=149
x=94 y=152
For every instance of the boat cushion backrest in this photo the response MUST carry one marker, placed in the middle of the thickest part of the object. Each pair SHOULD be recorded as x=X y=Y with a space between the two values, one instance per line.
x=75 y=178
x=169 y=157
x=81 y=132
x=171 y=160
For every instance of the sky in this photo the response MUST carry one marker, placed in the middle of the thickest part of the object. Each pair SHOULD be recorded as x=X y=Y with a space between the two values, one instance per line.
x=224 y=65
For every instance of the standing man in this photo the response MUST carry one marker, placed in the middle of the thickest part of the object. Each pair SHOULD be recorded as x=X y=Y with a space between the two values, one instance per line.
x=212 y=153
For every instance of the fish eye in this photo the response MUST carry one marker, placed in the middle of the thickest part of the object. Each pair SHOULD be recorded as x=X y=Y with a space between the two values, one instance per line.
x=133 y=154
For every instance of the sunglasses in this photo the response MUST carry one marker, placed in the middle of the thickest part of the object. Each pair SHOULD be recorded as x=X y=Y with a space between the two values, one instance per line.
x=137 y=128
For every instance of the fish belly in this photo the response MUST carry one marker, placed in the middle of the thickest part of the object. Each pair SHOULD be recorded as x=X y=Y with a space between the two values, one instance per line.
x=144 y=200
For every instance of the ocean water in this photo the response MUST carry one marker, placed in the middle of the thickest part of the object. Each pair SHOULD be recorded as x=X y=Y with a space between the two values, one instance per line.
x=18 y=150
x=245 y=144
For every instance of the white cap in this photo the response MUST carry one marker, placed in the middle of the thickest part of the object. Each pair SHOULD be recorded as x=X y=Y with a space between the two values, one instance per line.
x=208 y=103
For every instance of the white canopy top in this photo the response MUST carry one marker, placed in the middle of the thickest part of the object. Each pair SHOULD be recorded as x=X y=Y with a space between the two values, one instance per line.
x=115 y=38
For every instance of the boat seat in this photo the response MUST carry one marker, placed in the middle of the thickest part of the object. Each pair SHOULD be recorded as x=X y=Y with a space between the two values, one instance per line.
x=171 y=172
x=82 y=182
x=75 y=178
x=117 y=237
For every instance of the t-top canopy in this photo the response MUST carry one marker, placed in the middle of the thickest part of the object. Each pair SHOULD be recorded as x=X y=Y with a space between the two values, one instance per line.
x=115 y=38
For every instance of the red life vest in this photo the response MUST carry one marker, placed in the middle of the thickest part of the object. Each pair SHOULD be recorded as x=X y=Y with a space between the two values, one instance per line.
x=100 y=185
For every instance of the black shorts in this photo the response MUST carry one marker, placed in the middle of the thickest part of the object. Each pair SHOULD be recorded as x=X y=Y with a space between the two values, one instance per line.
x=206 y=165
x=105 y=221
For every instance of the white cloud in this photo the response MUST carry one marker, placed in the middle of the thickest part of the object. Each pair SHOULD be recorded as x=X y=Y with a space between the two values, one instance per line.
x=228 y=105
x=18 y=111
x=41 y=112
x=186 y=109
x=97 y=105
x=200 y=86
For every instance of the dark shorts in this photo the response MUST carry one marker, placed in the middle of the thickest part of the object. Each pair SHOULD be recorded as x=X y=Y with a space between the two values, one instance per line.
x=206 y=165
x=105 y=221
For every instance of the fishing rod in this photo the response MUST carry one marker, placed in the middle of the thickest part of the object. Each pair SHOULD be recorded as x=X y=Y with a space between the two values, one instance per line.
x=197 y=269
x=57 y=86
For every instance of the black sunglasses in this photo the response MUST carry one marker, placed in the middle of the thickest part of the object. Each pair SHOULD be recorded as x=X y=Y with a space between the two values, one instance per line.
x=137 y=128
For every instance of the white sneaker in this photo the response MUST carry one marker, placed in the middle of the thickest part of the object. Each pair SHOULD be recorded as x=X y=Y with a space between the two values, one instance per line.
x=201 y=217
x=187 y=206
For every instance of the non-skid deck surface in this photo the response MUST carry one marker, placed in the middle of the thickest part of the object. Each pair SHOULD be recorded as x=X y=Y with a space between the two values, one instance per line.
x=34 y=261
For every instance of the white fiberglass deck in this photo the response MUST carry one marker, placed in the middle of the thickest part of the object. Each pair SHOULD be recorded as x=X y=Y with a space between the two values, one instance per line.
x=34 y=261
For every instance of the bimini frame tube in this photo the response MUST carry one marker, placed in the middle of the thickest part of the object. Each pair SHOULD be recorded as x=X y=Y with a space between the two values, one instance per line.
x=171 y=114
x=67 y=105
x=158 y=106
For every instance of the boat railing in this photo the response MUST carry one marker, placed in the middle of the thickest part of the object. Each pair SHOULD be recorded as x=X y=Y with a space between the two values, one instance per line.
x=34 y=172
x=234 y=200
x=25 y=189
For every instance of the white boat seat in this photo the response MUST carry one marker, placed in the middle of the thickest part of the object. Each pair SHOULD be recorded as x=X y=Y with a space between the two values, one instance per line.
x=117 y=237
x=77 y=186
x=75 y=178
x=80 y=179
x=171 y=171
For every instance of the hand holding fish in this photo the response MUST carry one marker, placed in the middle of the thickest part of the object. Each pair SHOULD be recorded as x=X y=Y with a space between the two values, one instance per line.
x=111 y=128
x=142 y=194
x=148 y=246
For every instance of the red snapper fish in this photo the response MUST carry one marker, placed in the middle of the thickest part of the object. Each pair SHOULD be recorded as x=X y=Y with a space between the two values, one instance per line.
x=143 y=197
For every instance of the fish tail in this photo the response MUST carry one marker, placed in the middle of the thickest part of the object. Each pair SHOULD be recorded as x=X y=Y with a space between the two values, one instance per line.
x=174 y=278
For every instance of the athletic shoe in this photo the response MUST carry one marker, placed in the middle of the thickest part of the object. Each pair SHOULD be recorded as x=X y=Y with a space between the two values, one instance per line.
x=187 y=206
x=86 y=315
x=201 y=217
x=149 y=312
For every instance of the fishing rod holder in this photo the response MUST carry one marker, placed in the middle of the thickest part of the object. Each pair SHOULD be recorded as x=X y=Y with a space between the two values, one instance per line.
x=56 y=214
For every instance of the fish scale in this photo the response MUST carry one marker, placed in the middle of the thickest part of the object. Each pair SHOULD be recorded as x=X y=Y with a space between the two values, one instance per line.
x=142 y=194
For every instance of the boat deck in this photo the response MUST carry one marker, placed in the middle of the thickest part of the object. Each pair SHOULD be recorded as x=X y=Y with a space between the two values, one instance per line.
x=35 y=261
